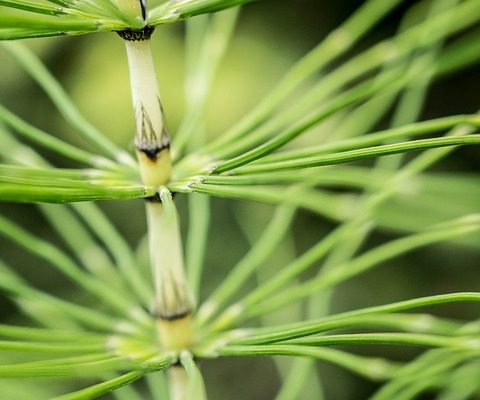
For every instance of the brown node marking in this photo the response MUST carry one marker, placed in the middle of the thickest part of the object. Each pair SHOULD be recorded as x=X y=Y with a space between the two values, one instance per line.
x=152 y=151
x=149 y=143
x=133 y=35
x=179 y=306
x=171 y=315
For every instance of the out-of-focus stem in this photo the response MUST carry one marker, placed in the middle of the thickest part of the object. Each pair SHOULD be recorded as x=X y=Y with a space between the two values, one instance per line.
x=178 y=383
x=173 y=304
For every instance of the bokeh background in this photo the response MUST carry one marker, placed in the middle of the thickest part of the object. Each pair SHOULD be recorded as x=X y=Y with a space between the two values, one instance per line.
x=271 y=35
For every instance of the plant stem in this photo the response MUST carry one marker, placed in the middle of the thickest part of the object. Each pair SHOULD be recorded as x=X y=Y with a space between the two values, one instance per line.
x=173 y=305
x=151 y=139
x=178 y=381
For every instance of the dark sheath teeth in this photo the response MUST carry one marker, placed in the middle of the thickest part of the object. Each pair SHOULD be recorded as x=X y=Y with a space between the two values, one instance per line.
x=136 y=35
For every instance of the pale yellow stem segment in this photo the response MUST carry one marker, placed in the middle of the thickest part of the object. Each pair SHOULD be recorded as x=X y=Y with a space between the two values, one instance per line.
x=178 y=383
x=151 y=140
x=173 y=303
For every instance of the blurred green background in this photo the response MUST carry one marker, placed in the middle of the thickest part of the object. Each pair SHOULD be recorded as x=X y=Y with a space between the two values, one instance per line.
x=271 y=35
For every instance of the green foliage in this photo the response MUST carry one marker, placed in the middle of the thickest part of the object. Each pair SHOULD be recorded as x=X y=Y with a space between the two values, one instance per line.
x=285 y=153
x=41 y=18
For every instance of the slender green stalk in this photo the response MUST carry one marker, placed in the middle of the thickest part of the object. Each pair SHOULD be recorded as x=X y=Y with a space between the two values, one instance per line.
x=32 y=6
x=207 y=42
x=321 y=202
x=44 y=334
x=356 y=266
x=199 y=213
x=120 y=250
x=36 y=194
x=424 y=367
x=58 y=348
x=408 y=339
x=57 y=367
x=348 y=98
x=82 y=243
x=309 y=328
x=462 y=384
x=196 y=387
x=127 y=392
x=415 y=323
x=157 y=383
x=361 y=154
x=387 y=51
x=334 y=45
x=50 y=142
x=375 y=369
x=301 y=371
x=101 y=227
x=103 y=388
x=407 y=111
x=258 y=254
x=67 y=267
x=37 y=303
x=398 y=132
x=171 y=12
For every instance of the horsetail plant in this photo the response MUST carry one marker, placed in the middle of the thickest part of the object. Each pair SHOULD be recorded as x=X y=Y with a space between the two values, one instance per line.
x=298 y=150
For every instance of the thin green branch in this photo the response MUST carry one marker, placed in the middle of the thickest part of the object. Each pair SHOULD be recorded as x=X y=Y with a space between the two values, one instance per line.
x=196 y=244
x=32 y=7
x=375 y=369
x=59 y=97
x=427 y=365
x=399 y=132
x=38 y=303
x=403 y=339
x=361 y=154
x=50 y=142
x=348 y=98
x=390 y=51
x=173 y=11
x=258 y=254
x=82 y=243
x=359 y=265
x=121 y=251
x=336 y=207
x=66 y=266
x=337 y=42
x=196 y=389
x=36 y=194
x=157 y=384
x=103 y=388
x=74 y=347
x=330 y=322
x=207 y=42
x=45 y=334
x=58 y=368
